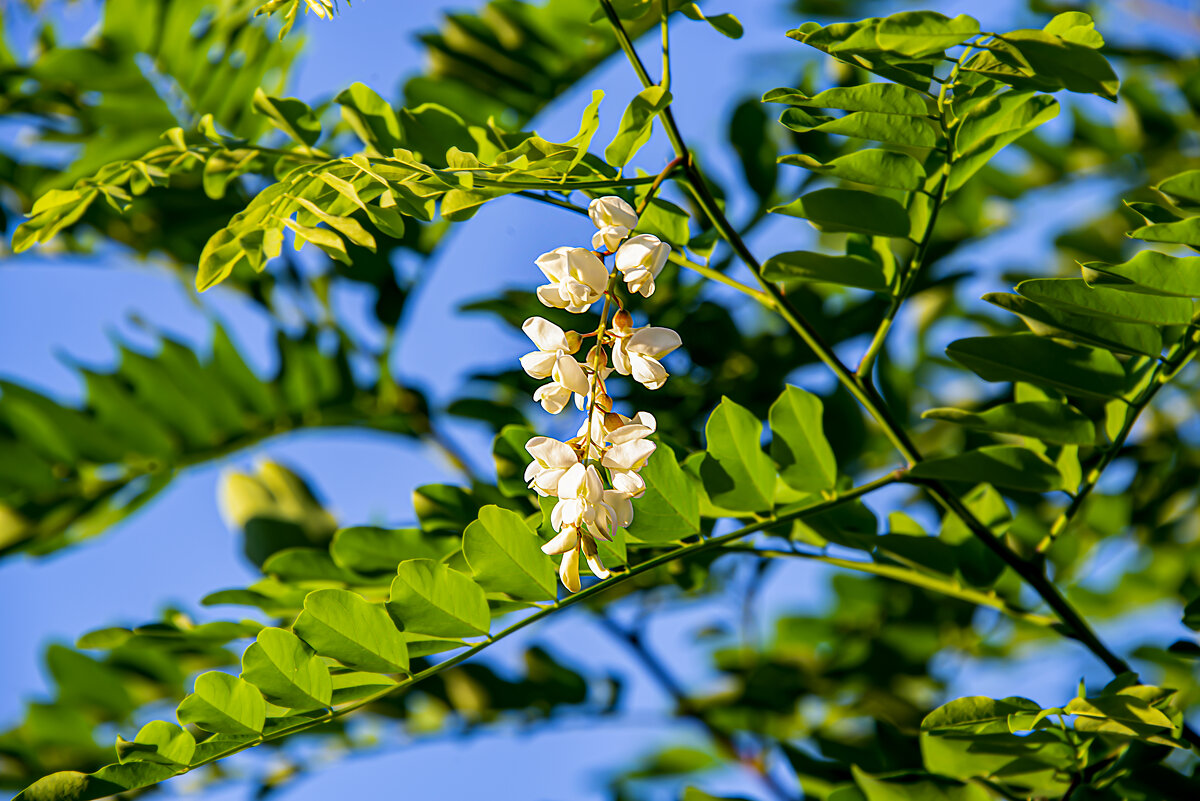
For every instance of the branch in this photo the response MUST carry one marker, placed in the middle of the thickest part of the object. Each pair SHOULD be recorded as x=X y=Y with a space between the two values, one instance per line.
x=866 y=395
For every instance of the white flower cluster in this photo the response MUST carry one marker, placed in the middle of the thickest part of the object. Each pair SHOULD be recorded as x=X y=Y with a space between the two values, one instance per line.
x=609 y=447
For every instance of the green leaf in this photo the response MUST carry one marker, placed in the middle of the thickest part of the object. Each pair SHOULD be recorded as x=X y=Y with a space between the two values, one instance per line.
x=977 y=714
x=1134 y=715
x=354 y=685
x=287 y=671
x=159 y=742
x=872 y=166
x=371 y=117
x=805 y=265
x=108 y=781
x=359 y=634
x=916 y=787
x=725 y=24
x=1150 y=272
x=1078 y=68
x=1077 y=27
x=431 y=598
x=505 y=556
x=883 y=98
x=1183 y=189
x=369 y=550
x=1008 y=466
x=224 y=704
x=1110 y=334
x=1074 y=369
x=1076 y=296
x=1180 y=232
x=924 y=33
x=836 y=210
x=893 y=129
x=798 y=444
x=992 y=124
x=636 y=125
x=737 y=474
x=670 y=508
x=289 y=115
x=1049 y=421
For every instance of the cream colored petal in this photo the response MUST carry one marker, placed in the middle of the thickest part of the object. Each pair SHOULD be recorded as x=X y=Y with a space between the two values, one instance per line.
x=551 y=453
x=571 y=484
x=587 y=268
x=655 y=342
x=622 y=506
x=553 y=264
x=545 y=334
x=538 y=364
x=554 y=397
x=569 y=374
x=647 y=371
x=628 y=483
x=550 y=295
x=568 y=570
x=628 y=433
x=593 y=485
x=631 y=455
x=646 y=419
x=612 y=210
x=568 y=540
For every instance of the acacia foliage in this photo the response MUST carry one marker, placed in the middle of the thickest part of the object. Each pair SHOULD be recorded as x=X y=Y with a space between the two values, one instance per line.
x=381 y=620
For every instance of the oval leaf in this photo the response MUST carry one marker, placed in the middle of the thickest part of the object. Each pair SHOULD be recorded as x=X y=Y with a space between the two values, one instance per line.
x=359 y=634
x=505 y=555
x=431 y=598
x=224 y=704
x=287 y=671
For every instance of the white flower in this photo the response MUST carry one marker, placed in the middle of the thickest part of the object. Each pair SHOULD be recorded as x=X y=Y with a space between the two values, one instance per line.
x=577 y=279
x=566 y=377
x=609 y=238
x=640 y=260
x=637 y=351
x=552 y=342
x=581 y=503
x=612 y=210
x=624 y=461
x=551 y=459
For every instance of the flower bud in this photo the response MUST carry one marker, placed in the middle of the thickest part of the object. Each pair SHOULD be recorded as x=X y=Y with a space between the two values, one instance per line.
x=622 y=320
x=574 y=340
x=603 y=402
x=596 y=358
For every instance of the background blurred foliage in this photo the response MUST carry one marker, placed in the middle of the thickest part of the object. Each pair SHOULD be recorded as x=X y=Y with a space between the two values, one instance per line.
x=817 y=708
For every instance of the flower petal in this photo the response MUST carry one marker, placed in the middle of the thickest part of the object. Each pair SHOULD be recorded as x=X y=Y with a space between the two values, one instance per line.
x=545 y=334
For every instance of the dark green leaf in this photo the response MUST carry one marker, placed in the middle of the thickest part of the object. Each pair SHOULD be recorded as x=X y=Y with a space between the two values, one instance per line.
x=872 y=166
x=835 y=210
x=1076 y=296
x=1048 y=421
x=804 y=265
x=1002 y=465
x=1074 y=369
x=636 y=125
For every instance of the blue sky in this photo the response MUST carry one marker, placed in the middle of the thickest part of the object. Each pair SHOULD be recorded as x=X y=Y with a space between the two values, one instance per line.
x=178 y=549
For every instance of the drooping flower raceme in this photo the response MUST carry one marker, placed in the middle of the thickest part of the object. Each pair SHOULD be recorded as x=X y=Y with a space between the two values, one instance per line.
x=596 y=474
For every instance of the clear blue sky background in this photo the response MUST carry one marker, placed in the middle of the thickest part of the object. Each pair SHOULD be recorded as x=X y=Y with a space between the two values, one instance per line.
x=178 y=549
